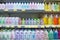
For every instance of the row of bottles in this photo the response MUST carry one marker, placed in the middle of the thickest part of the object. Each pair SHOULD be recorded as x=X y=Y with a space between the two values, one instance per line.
x=30 y=34
x=29 y=6
x=45 y=20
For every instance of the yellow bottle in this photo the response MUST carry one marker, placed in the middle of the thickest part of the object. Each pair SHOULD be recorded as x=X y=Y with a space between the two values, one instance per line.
x=49 y=7
x=45 y=19
x=45 y=7
x=50 y=20
x=59 y=20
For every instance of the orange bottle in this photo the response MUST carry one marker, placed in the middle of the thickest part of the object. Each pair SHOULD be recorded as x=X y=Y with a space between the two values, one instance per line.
x=55 y=20
x=59 y=20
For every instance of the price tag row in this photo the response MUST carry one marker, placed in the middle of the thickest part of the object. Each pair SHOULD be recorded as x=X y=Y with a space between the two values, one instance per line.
x=31 y=26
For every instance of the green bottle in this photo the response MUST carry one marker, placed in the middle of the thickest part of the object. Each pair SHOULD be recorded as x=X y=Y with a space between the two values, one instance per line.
x=23 y=21
x=4 y=36
x=55 y=7
x=50 y=34
x=35 y=21
x=38 y=21
x=2 y=20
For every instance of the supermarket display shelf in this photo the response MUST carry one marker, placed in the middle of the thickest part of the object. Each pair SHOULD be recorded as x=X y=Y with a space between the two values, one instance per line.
x=27 y=11
x=29 y=26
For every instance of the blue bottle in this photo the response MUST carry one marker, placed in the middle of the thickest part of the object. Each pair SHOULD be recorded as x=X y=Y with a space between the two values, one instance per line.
x=55 y=33
x=32 y=21
x=29 y=21
x=33 y=35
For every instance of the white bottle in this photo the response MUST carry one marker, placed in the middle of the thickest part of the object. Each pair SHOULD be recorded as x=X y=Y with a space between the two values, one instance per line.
x=29 y=35
x=46 y=35
x=16 y=20
x=2 y=6
x=19 y=6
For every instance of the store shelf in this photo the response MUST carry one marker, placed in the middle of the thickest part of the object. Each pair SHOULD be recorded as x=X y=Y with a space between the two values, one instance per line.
x=30 y=26
x=28 y=11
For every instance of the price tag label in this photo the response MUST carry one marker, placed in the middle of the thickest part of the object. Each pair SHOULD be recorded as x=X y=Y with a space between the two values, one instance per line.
x=7 y=25
x=12 y=26
x=0 y=26
x=23 y=10
x=42 y=26
x=15 y=10
x=19 y=26
x=5 y=9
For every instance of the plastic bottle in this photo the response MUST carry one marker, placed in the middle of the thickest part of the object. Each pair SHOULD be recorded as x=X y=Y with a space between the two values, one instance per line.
x=55 y=33
x=11 y=6
x=55 y=20
x=19 y=21
x=23 y=21
x=27 y=5
x=58 y=33
x=33 y=35
x=57 y=7
x=16 y=20
x=52 y=6
x=2 y=20
x=2 y=6
x=25 y=34
x=41 y=21
x=21 y=37
x=29 y=35
x=17 y=35
x=45 y=18
x=35 y=21
x=46 y=7
x=41 y=35
x=42 y=6
x=4 y=36
x=50 y=34
x=26 y=21
x=50 y=20
x=59 y=19
x=37 y=35
x=29 y=21
x=46 y=35
x=9 y=35
x=32 y=21
x=35 y=6
x=19 y=6
x=0 y=34
x=12 y=35
x=49 y=7
x=38 y=21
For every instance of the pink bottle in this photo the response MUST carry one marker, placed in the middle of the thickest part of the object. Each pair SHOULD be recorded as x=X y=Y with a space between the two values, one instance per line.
x=12 y=35
x=37 y=35
x=41 y=35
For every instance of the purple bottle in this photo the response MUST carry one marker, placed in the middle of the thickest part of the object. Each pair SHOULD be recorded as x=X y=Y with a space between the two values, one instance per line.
x=17 y=35
x=21 y=37
x=41 y=22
